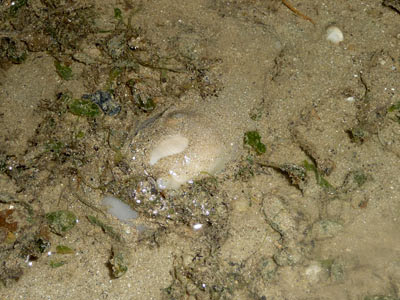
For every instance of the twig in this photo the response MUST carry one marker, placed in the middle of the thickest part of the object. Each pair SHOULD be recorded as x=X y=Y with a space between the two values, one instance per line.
x=297 y=12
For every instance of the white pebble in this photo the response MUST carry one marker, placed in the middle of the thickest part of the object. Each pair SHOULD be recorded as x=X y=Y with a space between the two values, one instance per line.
x=197 y=226
x=334 y=35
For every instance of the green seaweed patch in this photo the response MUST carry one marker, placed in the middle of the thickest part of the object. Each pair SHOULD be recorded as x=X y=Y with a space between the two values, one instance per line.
x=106 y=228
x=82 y=107
x=118 y=14
x=253 y=139
x=394 y=107
x=79 y=135
x=61 y=221
x=62 y=249
x=63 y=71
x=360 y=178
x=57 y=263
x=394 y=112
x=321 y=181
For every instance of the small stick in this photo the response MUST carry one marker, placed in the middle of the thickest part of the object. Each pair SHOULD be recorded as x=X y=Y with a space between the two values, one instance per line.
x=297 y=12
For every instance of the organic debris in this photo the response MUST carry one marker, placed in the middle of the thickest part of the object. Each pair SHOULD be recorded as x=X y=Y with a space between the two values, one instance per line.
x=105 y=101
x=118 y=261
x=24 y=236
x=296 y=174
x=358 y=135
x=5 y=223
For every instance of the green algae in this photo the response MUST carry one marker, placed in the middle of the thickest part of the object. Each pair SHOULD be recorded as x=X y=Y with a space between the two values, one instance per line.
x=61 y=221
x=57 y=263
x=118 y=14
x=394 y=112
x=85 y=108
x=55 y=147
x=62 y=249
x=106 y=228
x=360 y=178
x=63 y=70
x=253 y=139
x=321 y=181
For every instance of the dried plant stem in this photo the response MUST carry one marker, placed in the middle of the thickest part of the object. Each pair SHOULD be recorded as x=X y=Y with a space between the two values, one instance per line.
x=297 y=12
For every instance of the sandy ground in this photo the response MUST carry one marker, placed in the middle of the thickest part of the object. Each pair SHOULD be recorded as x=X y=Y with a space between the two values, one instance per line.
x=316 y=216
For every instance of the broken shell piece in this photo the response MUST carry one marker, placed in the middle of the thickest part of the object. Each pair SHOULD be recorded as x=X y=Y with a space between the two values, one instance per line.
x=334 y=35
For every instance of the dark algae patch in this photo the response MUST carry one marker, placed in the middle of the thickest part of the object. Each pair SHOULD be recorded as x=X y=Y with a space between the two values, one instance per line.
x=394 y=112
x=105 y=102
x=61 y=221
x=321 y=181
x=253 y=139
x=84 y=108
x=63 y=71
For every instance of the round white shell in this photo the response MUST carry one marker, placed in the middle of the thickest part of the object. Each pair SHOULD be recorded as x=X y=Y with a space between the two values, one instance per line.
x=334 y=35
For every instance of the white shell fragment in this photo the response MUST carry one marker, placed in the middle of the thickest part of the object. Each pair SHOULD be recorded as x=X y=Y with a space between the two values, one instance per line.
x=334 y=35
